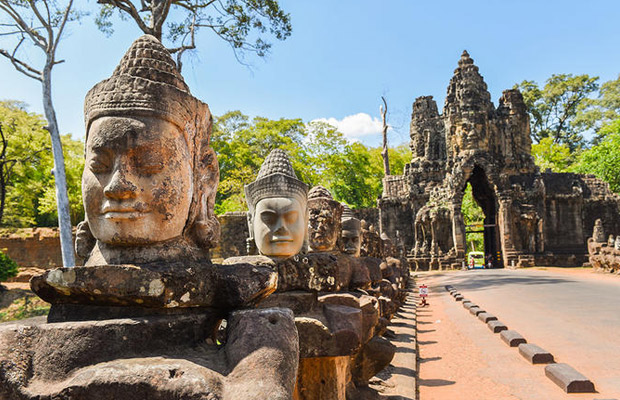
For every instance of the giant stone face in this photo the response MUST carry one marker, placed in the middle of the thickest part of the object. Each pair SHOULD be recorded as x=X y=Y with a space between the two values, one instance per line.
x=279 y=226
x=277 y=201
x=137 y=180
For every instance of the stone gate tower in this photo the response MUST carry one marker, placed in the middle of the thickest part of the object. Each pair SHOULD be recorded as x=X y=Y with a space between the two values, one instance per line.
x=530 y=217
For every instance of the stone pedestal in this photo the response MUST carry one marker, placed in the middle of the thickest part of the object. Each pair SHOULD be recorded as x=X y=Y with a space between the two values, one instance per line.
x=324 y=378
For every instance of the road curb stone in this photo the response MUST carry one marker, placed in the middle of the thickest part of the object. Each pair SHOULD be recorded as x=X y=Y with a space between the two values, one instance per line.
x=535 y=354
x=568 y=378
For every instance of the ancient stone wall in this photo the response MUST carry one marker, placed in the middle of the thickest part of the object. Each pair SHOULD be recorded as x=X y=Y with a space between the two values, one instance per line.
x=33 y=247
x=40 y=247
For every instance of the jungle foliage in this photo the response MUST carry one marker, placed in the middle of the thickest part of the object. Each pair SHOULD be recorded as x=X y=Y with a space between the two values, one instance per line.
x=319 y=154
x=575 y=125
x=27 y=162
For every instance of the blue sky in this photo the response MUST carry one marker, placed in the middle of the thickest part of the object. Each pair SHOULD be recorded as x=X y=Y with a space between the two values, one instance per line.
x=344 y=55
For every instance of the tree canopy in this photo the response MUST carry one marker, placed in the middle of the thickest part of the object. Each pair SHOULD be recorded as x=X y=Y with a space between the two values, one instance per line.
x=27 y=162
x=245 y=25
x=603 y=159
x=554 y=108
x=319 y=154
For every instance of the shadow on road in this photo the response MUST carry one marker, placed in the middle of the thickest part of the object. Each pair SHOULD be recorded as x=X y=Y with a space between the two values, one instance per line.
x=425 y=360
x=435 y=382
x=495 y=278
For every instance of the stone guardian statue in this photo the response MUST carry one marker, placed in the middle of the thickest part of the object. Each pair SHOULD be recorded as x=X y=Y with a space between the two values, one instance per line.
x=277 y=203
x=324 y=220
x=150 y=177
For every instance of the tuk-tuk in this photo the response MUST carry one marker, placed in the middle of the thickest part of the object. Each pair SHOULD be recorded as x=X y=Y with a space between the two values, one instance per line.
x=475 y=260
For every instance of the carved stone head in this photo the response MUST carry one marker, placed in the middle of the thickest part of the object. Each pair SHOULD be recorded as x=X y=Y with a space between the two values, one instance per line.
x=277 y=203
x=324 y=220
x=611 y=241
x=150 y=177
x=598 y=233
x=617 y=243
x=387 y=245
x=351 y=233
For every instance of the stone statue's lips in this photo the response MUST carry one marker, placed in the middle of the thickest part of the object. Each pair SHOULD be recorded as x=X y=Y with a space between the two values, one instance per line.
x=281 y=240
x=120 y=213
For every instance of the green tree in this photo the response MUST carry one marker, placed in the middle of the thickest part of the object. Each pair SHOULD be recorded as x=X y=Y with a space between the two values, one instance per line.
x=243 y=24
x=318 y=152
x=551 y=155
x=352 y=178
x=601 y=111
x=8 y=267
x=603 y=159
x=241 y=146
x=472 y=215
x=553 y=109
x=29 y=187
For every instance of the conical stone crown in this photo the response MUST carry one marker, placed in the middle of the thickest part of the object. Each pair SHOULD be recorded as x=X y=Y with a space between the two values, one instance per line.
x=319 y=192
x=346 y=212
x=276 y=178
x=147 y=81
x=276 y=162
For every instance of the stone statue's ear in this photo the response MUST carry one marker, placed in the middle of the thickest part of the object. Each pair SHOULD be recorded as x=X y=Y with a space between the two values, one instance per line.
x=250 y=244
x=205 y=230
x=84 y=240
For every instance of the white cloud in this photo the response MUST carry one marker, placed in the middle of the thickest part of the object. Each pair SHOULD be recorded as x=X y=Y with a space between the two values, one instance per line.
x=356 y=125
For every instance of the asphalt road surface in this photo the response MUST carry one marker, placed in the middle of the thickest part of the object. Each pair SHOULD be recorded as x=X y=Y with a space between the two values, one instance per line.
x=572 y=313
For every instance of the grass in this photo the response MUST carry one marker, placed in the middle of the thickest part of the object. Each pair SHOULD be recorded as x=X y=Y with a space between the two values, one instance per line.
x=24 y=307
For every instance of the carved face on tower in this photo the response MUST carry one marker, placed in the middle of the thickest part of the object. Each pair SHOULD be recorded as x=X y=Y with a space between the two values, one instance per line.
x=150 y=176
x=324 y=220
x=277 y=201
x=351 y=233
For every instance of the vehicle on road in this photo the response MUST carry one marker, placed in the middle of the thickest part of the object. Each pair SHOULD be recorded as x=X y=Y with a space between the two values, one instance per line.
x=475 y=260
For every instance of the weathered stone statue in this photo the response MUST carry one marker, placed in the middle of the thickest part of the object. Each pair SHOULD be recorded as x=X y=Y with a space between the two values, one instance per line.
x=617 y=243
x=138 y=320
x=277 y=203
x=611 y=241
x=598 y=233
x=150 y=177
x=324 y=220
x=351 y=233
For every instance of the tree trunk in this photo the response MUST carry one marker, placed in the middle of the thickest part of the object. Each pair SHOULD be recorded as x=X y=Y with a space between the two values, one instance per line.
x=2 y=196
x=62 y=199
x=3 y=175
x=384 y=152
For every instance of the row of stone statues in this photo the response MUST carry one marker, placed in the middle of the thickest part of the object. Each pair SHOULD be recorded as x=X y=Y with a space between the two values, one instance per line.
x=342 y=302
x=144 y=318
x=604 y=252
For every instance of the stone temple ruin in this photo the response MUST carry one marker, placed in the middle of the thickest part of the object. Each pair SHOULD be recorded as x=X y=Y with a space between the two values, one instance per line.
x=150 y=316
x=531 y=217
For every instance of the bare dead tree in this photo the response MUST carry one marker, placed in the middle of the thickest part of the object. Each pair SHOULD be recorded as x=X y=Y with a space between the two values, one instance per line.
x=42 y=23
x=384 y=151
x=231 y=20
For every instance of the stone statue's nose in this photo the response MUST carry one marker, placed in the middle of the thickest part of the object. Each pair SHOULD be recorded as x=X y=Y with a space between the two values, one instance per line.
x=280 y=228
x=120 y=187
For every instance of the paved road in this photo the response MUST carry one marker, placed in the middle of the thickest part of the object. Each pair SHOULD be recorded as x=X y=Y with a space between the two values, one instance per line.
x=574 y=314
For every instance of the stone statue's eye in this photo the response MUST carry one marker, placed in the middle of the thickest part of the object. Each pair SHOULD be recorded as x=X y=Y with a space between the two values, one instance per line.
x=268 y=217
x=149 y=168
x=148 y=164
x=291 y=217
x=100 y=163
